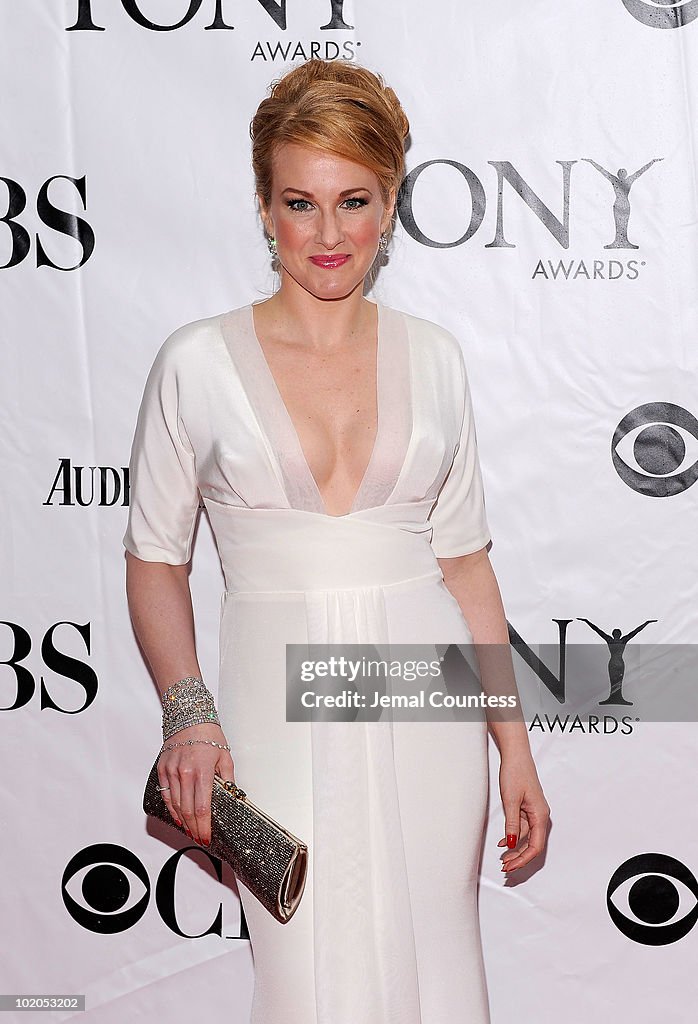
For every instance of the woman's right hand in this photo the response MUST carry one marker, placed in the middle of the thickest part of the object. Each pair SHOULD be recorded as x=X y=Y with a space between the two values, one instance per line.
x=188 y=770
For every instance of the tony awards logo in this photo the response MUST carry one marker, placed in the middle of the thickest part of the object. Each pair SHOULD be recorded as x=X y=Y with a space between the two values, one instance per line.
x=452 y=177
x=215 y=16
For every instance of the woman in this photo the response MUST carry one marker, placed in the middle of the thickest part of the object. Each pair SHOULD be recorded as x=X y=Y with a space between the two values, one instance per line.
x=333 y=442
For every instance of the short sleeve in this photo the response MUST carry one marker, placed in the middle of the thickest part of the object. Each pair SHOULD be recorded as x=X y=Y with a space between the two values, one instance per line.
x=164 y=497
x=459 y=516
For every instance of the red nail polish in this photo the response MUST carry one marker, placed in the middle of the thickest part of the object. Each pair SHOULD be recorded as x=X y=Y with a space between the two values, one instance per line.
x=511 y=840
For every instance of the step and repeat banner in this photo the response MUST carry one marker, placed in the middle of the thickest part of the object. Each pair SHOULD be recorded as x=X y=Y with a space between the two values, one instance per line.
x=549 y=218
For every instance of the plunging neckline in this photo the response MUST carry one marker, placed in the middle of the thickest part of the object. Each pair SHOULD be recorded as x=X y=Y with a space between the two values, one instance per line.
x=293 y=432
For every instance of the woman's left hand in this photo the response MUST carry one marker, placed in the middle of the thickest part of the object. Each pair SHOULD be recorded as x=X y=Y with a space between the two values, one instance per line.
x=526 y=811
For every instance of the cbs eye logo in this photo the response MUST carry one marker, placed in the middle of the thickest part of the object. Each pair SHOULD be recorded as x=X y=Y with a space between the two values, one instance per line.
x=662 y=441
x=656 y=899
x=663 y=13
x=106 y=889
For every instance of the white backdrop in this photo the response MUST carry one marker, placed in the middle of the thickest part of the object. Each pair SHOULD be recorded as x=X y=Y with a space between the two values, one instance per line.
x=126 y=177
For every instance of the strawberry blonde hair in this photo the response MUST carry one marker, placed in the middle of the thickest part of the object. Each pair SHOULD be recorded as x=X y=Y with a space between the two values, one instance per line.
x=336 y=106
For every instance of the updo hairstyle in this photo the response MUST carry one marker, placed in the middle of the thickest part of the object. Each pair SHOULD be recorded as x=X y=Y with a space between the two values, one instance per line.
x=336 y=106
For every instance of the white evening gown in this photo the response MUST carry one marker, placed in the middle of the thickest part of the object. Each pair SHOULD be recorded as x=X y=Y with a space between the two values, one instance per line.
x=393 y=812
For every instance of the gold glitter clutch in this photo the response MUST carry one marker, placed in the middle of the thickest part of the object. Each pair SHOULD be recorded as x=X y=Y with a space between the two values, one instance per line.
x=268 y=859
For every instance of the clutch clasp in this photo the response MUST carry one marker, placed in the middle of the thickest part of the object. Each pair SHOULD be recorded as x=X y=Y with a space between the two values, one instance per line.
x=232 y=788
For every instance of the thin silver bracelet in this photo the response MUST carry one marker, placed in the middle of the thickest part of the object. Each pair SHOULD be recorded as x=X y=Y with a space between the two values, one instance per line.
x=186 y=743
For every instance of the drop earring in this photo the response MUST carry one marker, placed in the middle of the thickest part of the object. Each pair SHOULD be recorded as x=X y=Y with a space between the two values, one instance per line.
x=271 y=245
x=383 y=242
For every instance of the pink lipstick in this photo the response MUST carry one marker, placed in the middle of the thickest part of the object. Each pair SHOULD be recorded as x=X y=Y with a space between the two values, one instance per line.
x=330 y=262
